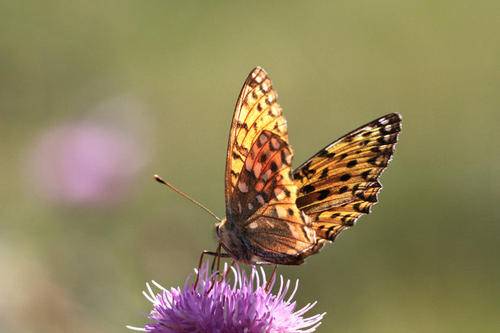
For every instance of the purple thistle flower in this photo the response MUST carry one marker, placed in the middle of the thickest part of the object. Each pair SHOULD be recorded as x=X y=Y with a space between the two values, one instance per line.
x=224 y=307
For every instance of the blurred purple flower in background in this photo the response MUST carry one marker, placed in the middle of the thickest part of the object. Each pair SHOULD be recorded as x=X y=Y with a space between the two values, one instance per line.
x=87 y=162
x=241 y=306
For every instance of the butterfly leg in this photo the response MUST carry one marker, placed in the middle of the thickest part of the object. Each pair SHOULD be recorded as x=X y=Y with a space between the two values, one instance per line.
x=216 y=259
x=271 y=279
x=226 y=272
x=200 y=262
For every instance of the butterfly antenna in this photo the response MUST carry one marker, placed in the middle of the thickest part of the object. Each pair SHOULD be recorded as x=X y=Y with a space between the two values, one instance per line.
x=176 y=190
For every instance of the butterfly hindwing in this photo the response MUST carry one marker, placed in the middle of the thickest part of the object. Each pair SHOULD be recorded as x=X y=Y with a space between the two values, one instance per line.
x=282 y=240
x=340 y=183
x=276 y=230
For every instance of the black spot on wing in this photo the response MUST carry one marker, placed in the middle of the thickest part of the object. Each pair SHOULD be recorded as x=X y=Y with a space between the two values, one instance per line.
x=345 y=177
x=343 y=189
x=352 y=163
x=323 y=194
x=324 y=173
x=308 y=188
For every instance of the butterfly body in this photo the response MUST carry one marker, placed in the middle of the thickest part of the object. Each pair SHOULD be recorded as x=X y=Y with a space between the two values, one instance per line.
x=278 y=215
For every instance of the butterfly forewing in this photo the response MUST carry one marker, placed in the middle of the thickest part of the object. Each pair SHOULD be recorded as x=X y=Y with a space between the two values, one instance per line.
x=256 y=110
x=260 y=191
x=340 y=183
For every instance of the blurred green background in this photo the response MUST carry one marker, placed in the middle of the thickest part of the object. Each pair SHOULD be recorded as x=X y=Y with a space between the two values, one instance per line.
x=95 y=97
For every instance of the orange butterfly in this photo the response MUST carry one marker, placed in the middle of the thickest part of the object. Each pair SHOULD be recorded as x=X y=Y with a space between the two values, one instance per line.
x=279 y=216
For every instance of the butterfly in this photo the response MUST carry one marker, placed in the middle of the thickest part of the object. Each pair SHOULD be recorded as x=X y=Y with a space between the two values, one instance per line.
x=277 y=215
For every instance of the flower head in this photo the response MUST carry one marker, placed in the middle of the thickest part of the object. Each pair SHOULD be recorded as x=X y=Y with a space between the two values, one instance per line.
x=245 y=305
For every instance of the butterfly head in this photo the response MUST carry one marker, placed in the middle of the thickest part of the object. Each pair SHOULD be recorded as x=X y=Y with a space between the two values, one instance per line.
x=222 y=229
x=218 y=227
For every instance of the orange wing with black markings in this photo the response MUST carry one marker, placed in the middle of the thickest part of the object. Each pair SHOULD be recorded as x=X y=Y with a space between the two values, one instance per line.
x=264 y=211
x=274 y=216
x=256 y=111
x=263 y=222
x=340 y=183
